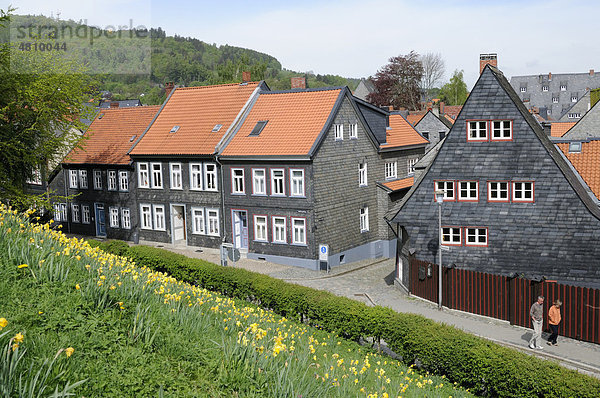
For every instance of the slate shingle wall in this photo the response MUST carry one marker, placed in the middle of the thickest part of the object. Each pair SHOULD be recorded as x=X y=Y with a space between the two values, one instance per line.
x=433 y=126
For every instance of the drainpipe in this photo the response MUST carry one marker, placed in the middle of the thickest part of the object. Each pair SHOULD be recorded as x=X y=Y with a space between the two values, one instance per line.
x=65 y=174
x=222 y=221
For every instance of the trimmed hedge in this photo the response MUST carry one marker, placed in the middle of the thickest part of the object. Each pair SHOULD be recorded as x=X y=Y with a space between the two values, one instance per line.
x=486 y=368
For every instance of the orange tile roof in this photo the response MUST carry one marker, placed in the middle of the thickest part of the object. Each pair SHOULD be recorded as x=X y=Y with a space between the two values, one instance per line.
x=401 y=133
x=586 y=162
x=414 y=119
x=196 y=110
x=295 y=120
x=452 y=110
x=449 y=118
x=558 y=129
x=400 y=184
x=108 y=138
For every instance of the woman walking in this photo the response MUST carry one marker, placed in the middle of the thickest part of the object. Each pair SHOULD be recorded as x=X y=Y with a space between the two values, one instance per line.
x=554 y=319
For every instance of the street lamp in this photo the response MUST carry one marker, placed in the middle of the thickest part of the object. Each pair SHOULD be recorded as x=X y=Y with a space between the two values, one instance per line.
x=439 y=198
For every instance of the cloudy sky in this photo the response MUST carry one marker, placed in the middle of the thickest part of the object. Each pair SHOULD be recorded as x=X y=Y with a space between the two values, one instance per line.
x=355 y=38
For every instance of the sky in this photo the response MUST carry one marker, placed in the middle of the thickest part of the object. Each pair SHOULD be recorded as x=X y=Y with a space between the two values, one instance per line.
x=355 y=38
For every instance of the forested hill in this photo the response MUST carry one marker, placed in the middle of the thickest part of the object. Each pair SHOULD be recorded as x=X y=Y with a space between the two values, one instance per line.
x=183 y=60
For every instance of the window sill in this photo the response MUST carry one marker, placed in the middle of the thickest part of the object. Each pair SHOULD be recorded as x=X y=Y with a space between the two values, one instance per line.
x=260 y=194
x=298 y=196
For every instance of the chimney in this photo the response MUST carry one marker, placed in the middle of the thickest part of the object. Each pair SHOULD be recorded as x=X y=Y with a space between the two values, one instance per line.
x=442 y=105
x=591 y=72
x=549 y=76
x=487 y=59
x=114 y=104
x=169 y=86
x=245 y=77
x=298 y=82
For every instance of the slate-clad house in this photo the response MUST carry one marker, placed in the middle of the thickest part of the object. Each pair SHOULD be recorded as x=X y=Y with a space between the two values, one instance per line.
x=99 y=176
x=512 y=203
x=575 y=112
x=433 y=128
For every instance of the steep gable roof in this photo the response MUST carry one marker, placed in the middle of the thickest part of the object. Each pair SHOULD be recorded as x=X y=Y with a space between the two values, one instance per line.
x=401 y=133
x=193 y=120
x=586 y=162
x=452 y=111
x=558 y=129
x=109 y=137
x=413 y=119
x=430 y=113
x=587 y=127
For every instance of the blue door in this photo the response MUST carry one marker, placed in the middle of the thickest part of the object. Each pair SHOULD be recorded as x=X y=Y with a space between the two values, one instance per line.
x=100 y=220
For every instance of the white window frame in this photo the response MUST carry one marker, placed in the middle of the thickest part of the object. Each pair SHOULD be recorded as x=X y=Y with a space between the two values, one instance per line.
x=563 y=87
x=277 y=229
x=113 y=217
x=544 y=89
x=298 y=232
x=176 y=175
x=36 y=177
x=212 y=222
x=353 y=133
x=125 y=218
x=516 y=190
x=446 y=186
x=211 y=183
x=111 y=180
x=238 y=186
x=261 y=223
x=574 y=98
x=98 y=179
x=364 y=219
x=60 y=212
x=466 y=190
x=523 y=89
x=362 y=175
x=502 y=127
x=338 y=130
x=259 y=182
x=297 y=183
x=85 y=214
x=123 y=181
x=159 y=217
x=495 y=189
x=477 y=130
x=196 y=177
x=411 y=166
x=476 y=233
x=145 y=216
x=278 y=183
x=75 y=215
x=391 y=170
x=156 y=174
x=143 y=175
x=555 y=100
x=73 y=179
x=451 y=236
x=83 y=179
x=198 y=221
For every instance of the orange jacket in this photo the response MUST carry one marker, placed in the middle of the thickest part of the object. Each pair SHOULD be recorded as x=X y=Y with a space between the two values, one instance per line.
x=554 y=315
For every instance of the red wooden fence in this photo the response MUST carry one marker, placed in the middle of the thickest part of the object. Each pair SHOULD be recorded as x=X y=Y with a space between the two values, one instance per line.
x=509 y=299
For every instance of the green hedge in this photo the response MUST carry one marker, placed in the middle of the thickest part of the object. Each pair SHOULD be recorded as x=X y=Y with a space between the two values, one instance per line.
x=486 y=368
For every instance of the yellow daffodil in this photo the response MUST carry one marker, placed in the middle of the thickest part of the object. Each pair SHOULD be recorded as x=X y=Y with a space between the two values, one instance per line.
x=77 y=287
x=23 y=266
x=69 y=351
x=18 y=338
x=3 y=323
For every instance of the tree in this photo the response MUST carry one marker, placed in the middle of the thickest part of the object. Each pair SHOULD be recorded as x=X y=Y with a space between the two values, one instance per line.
x=433 y=72
x=398 y=83
x=455 y=92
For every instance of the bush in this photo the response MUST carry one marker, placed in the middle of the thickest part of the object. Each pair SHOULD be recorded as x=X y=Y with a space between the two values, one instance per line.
x=488 y=369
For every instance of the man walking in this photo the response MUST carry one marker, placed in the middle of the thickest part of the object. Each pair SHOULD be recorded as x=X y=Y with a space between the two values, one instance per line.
x=537 y=318
x=554 y=319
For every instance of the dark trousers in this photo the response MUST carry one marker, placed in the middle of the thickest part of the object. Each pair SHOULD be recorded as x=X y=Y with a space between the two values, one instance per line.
x=554 y=334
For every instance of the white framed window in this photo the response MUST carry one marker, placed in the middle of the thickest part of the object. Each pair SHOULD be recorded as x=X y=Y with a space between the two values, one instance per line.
x=476 y=236
x=212 y=218
x=123 y=181
x=364 y=219
x=279 y=230
x=157 y=180
x=85 y=214
x=575 y=115
x=176 y=181
x=159 y=217
x=111 y=180
x=391 y=170
x=523 y=191
x=125 y=218
x=196 y=177
x=260 y=228
x=563 y=87
x=498 y=191
x=451 y=236
x=338 y=131
x=523 y=89
x=501 y=130
x=75 y=216
x=83 y=179
x=362 y=175
x=97 y=179
x=237 y=181
x=60 y=212
x=555 y=100
x=573 y=98
x=198 y=223
x=298 y=231
x=447 y=187
x=277 y=182
x=143 y=175
x=145 y=216
x=297 y=182
x=353 y=133
x=114 y=217
x=575 y=147
x=36 y=177
x=468 y=191
x=477 y=130
x=544 y=88
x=73 y=179
x=259 y=185
x=411 y=165
x=210 y=177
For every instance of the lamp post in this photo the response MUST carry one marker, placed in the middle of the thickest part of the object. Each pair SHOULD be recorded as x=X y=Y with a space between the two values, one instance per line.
x=439 y=198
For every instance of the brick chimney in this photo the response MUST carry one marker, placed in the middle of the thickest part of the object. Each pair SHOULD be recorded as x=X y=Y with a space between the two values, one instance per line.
x=442 y=105
x=299 y=82
x=245 y=77
x=591 y=72
x=114 y=104
x=169 y=86
x=487 y=59
x=549 y=76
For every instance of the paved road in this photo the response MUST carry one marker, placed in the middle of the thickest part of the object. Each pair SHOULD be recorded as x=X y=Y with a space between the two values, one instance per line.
x=372 y=282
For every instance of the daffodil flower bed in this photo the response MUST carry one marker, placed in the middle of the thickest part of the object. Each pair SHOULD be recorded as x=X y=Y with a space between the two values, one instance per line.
x=131 y=331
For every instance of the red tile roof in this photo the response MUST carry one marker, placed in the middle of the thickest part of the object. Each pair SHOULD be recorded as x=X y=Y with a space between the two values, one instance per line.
x=414 y=118
x=108 y=138
x=401 y=133
x=586 y=162
x=196 y=110
x=295 y=120
x=452 y=111
x=400 y=184
x=558 y=129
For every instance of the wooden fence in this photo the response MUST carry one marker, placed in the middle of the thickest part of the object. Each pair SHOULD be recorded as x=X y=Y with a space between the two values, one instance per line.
x=509 y=299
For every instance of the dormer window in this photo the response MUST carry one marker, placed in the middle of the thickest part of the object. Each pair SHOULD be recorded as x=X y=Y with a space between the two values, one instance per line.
x=523 y=89
x=174 y=129
x=573 y=98
x=544 y=88
x=563 y=87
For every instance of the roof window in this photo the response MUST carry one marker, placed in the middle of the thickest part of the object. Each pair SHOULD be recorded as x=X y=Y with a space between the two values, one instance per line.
x=574 y=147
x=132 y=138
x=216 y=128
x=260 y=125
x=174 y=129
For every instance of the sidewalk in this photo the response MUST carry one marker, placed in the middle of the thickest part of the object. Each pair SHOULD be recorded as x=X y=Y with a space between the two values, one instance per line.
x=371 y=282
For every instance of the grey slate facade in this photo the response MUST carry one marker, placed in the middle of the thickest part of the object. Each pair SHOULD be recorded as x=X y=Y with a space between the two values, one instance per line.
x=433 y=128
x=552 y=234
x=576 y=112
x=587 y=127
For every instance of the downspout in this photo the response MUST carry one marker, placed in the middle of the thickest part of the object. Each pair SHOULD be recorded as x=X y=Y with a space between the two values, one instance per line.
x=67 y=200
x=222 y=221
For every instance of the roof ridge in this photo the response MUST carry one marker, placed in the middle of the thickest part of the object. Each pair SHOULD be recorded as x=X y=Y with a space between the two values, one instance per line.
x=218 y=85
x=304 y=90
